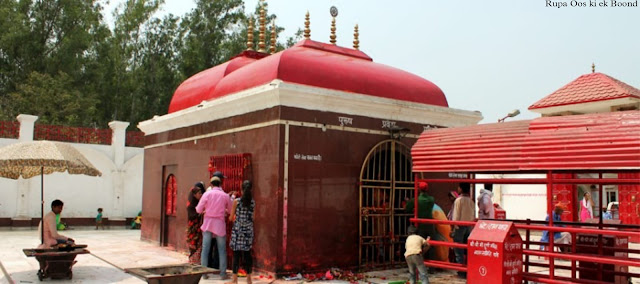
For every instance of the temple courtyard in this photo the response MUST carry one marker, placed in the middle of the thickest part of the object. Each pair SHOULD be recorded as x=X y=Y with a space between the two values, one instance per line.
x=114 y=250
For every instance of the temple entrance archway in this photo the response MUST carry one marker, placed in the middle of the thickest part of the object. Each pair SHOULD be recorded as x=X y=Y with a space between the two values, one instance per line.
x=386 y=182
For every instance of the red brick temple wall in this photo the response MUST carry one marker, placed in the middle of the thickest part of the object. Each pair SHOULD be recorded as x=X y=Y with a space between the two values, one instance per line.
x=323 y=174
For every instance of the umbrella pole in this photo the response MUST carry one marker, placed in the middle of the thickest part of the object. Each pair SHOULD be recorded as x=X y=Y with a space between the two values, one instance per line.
x=42 y=205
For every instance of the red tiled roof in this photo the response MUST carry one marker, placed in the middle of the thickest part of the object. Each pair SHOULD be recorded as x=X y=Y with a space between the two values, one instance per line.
x=574 y=142
x=588 y=88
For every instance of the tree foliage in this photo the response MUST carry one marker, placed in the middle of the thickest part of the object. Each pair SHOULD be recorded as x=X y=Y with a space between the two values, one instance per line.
x=61 y=61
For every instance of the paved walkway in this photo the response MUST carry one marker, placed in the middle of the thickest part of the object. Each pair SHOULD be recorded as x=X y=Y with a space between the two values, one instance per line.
x=114 y=250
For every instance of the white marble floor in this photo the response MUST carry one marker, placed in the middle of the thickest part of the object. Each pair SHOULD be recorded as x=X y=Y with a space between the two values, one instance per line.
x=114 y=250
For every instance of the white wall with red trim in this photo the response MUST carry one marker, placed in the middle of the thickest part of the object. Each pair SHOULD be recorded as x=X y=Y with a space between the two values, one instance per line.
x=118 y=191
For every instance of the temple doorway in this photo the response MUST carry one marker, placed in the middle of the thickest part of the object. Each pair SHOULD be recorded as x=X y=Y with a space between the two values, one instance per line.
x=386 y=182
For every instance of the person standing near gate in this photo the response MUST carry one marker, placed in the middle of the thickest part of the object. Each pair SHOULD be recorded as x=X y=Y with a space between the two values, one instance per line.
x=414 y=246
x=220 y=176
x=215 y=204
x=463 y=211
x=485 y=204
x=425 y=211
x=194 y=222
x=214 y=259
x=242 y=232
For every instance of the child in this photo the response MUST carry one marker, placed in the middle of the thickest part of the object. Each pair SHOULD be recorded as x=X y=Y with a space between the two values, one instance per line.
x=242 y=232
x=137 y=222
x=99 y=219
x=414 y=246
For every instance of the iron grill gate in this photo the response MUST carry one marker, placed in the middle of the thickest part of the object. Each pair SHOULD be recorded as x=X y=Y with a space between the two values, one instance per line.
x=386 y=183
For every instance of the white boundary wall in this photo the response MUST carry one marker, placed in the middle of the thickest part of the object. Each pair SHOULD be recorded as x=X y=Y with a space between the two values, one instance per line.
x=520 y=201
x=118 y=191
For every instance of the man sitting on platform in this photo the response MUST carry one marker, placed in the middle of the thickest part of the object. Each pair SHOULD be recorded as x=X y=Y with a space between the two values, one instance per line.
x=558 y=237
x=51 y=236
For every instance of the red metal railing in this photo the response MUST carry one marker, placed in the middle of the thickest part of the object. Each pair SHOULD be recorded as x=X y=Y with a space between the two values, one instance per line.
x=617 y=230
x=62 y=133
x=9 y=129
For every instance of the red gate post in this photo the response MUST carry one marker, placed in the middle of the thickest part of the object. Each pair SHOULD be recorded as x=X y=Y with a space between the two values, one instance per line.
x=495 y=253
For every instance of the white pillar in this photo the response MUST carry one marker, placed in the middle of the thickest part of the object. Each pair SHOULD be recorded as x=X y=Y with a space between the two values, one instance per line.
x=119 y=136
x=27 y=123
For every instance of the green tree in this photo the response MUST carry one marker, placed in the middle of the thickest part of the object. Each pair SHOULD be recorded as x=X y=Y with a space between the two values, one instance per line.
x=215 y=31
x=291 y=41
x=205 y=31
x=62 y=53
x=121 y=61
x=43 y=42
x=13 y=32
x=158 y=75
x=54 y=99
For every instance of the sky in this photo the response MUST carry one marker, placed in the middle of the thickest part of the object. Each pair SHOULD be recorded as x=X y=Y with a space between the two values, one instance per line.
x=492 y=56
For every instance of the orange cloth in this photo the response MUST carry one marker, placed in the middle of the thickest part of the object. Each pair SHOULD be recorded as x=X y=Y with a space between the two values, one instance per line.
x=442 y=252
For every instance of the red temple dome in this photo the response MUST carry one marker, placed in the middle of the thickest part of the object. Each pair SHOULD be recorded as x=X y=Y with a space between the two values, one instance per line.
x=200 y=86
x=314 y=64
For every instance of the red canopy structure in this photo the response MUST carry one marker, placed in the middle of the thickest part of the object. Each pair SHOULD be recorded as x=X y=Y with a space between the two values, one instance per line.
x=578 y=142
x=560 y=147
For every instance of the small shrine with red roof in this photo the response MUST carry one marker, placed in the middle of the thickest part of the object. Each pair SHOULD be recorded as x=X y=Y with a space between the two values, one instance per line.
x=324 y=133
x=590 y=93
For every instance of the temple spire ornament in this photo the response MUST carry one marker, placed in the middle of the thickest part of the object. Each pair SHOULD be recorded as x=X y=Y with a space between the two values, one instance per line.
x=250 y=34
x=334 y=14
x=274 y=35
x=307 y=30
x=356 y=42
x=593 y=68
x=333 y=31
x=263 y=28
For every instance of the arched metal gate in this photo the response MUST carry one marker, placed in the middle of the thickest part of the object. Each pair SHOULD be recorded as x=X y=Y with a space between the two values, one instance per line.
x=386 y=183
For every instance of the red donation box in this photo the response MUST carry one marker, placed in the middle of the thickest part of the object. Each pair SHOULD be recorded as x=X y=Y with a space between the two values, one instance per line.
x=500 y=213
x=494 y=253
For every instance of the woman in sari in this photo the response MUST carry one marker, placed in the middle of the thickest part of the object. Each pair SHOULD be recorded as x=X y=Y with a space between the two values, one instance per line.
x=194 y=234
x=586 y=207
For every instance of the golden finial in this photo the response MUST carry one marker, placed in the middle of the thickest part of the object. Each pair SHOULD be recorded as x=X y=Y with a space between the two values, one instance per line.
x=333 y=31
x=307 y=30
x=334 y=13
x=356 y=42
x=593 y=68
x=274 y=34
x=261 y=44
x=250 y=34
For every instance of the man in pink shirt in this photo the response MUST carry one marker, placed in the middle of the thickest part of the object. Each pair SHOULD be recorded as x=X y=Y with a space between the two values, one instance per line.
x=215 y=204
